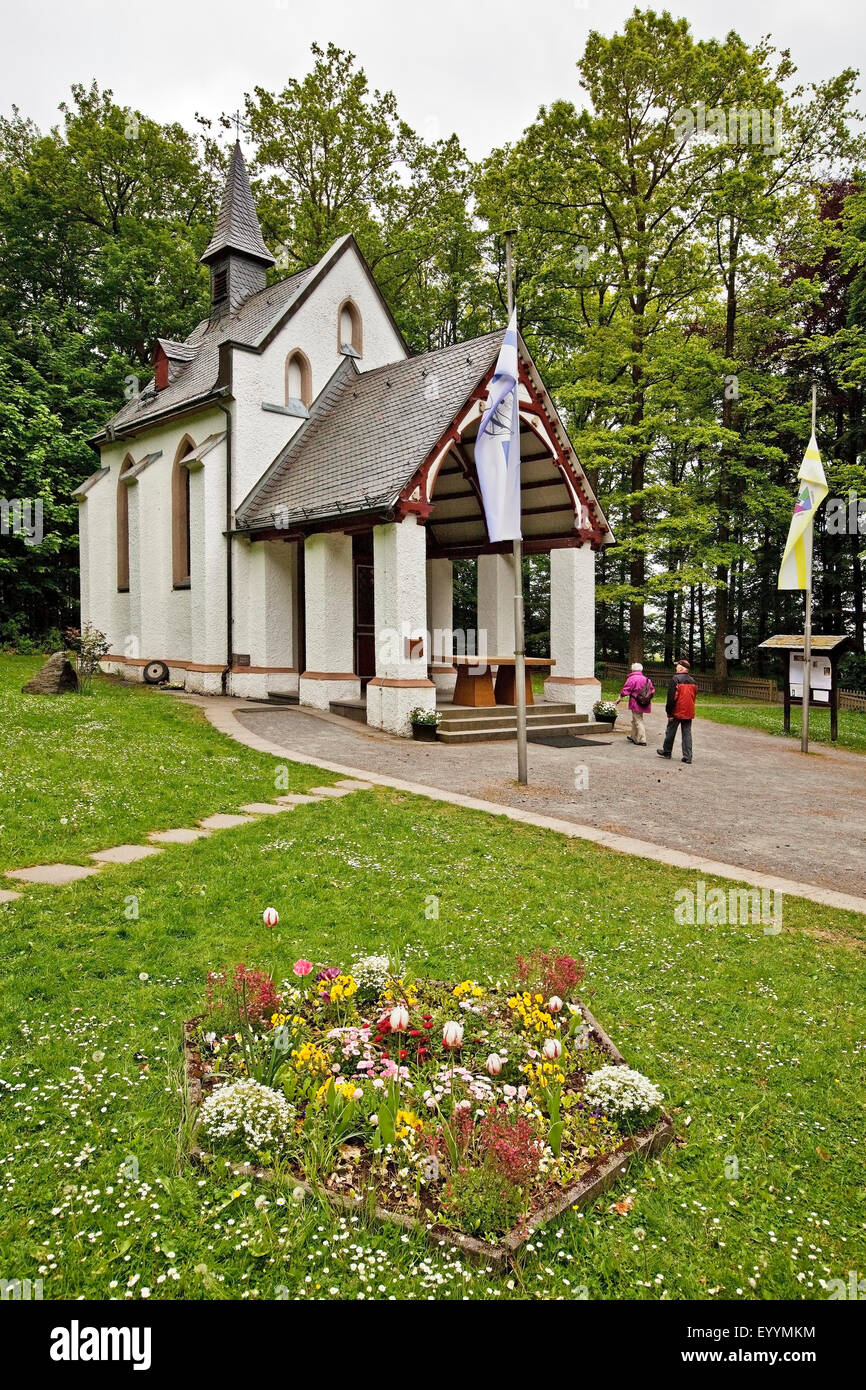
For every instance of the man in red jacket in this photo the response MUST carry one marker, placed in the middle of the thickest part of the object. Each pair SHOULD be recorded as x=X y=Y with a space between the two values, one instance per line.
x=680 y=710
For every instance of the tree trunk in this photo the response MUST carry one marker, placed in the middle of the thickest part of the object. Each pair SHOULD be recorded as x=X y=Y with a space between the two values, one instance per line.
x=701 y=627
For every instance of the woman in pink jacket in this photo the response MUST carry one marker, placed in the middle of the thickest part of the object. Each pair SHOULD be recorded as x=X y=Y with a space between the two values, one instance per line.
x=640 y=690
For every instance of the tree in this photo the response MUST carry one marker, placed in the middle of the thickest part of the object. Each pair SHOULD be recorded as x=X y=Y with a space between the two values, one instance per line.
x=332 y=157
x=101 y=227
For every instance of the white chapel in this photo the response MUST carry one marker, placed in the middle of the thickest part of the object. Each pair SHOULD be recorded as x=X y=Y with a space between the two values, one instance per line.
x=280 y=508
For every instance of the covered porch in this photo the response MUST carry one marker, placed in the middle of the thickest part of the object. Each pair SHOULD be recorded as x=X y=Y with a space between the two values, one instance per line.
x=376 y=576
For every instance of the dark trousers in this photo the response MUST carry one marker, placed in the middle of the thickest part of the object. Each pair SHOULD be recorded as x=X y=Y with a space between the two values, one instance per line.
x=671 y=733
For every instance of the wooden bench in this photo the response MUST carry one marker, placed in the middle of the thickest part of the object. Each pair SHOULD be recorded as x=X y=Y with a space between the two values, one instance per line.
x=475 y=685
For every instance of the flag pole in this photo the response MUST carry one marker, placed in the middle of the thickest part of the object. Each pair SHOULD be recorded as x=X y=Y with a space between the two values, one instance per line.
x=519 y=638
x=807 y=629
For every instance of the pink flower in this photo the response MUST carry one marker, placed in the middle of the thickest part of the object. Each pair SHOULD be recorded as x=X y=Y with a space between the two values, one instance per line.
x=302 y=967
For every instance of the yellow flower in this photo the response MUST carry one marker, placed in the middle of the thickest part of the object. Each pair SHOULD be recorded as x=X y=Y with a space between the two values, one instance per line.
x=309 y=1057
x=339 y=989
x=343 y=1088
x=467 y=988
x=405 y=1123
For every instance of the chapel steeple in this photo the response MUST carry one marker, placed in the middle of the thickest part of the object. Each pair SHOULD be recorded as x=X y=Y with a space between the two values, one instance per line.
x=236 y=253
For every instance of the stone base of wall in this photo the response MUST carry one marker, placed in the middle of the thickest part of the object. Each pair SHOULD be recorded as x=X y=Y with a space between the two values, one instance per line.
x=319 y=688
x=389 y=703
x=202 y=682
x=257 y=682
x=200 y=679
x=583 y=691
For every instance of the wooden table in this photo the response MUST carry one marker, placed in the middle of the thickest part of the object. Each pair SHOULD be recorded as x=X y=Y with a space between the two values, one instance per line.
x=475 y=685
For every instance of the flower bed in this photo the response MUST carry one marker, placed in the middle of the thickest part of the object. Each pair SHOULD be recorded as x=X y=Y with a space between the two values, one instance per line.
x=475 y=1113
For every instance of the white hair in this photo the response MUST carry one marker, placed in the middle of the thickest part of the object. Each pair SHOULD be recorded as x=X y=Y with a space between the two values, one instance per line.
x=636 y=666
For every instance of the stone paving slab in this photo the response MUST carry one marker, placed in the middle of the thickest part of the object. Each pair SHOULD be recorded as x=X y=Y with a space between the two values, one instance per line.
x=184 y=836
x=751 y=808
x=351 y=785
x=223 y=821
x=125 y=854
x=7 y=895
x=53 y=873
x=296 y=799
x=264 y=808
x=330 y=791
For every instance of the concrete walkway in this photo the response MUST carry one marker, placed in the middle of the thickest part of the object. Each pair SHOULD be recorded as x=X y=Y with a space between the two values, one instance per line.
x=750 y=808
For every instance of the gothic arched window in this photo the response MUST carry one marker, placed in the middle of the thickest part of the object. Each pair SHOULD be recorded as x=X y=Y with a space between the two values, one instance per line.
x=123 y=528
x=180 y=536
x=299 y=379
x=349 y=333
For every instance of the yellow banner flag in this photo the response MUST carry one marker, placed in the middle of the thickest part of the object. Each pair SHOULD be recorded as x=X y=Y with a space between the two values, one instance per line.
x=796 y=569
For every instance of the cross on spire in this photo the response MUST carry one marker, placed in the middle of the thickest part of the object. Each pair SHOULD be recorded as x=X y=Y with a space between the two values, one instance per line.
x=235 y=120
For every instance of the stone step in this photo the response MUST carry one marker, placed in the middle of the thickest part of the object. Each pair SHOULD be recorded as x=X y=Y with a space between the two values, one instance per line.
x=350 y=709
x=482 y=733
x=282 y=697
x=455 y=723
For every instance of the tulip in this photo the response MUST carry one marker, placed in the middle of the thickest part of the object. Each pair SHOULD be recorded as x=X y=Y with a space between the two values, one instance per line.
x=302 y=967
x=399 y=1018
x=270 y=917
x=493 y=1064
x=554 y=1004
x=452 y=1034
x=552 y=1049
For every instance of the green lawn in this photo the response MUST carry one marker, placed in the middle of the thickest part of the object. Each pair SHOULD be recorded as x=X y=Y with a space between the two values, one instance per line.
x=756 y=1040
x=86 y=772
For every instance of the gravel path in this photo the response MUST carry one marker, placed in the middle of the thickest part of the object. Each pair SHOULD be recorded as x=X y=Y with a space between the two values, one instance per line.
x=749 y=798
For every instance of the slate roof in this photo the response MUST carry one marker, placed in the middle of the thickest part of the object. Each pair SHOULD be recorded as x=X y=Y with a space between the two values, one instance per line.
x=197 y=377
x=237 y=227
x=367 y=434
x=177 y=352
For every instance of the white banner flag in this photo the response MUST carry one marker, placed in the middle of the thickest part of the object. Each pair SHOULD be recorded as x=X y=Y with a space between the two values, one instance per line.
x=497 y=446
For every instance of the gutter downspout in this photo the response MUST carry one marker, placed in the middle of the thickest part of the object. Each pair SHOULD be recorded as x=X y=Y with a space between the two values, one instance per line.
x=229 y=532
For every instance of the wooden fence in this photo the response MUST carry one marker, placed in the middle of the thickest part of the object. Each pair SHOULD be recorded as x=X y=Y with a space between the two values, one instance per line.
x=752 y=687
x=747 y=687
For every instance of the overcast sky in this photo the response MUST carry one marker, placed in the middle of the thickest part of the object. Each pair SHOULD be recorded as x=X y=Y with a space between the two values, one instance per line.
x=480 y=67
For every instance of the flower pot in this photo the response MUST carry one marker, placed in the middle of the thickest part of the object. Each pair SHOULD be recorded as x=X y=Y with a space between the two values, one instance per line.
x=424 y=733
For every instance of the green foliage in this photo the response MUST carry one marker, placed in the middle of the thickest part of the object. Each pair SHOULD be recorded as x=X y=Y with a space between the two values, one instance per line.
x=481 y=1201
x=102 y=222
x=678 y=294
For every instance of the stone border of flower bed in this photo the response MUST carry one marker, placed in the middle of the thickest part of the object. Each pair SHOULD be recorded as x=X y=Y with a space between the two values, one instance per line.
x=599 y=1177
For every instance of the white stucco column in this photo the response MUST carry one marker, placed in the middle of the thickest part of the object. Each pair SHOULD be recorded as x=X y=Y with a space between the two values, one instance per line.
x=270 y=620
x=329 y=621
x=400 y=587
x=572 y=628
x=440 y=624
x=495 y=605
x=207 y=577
